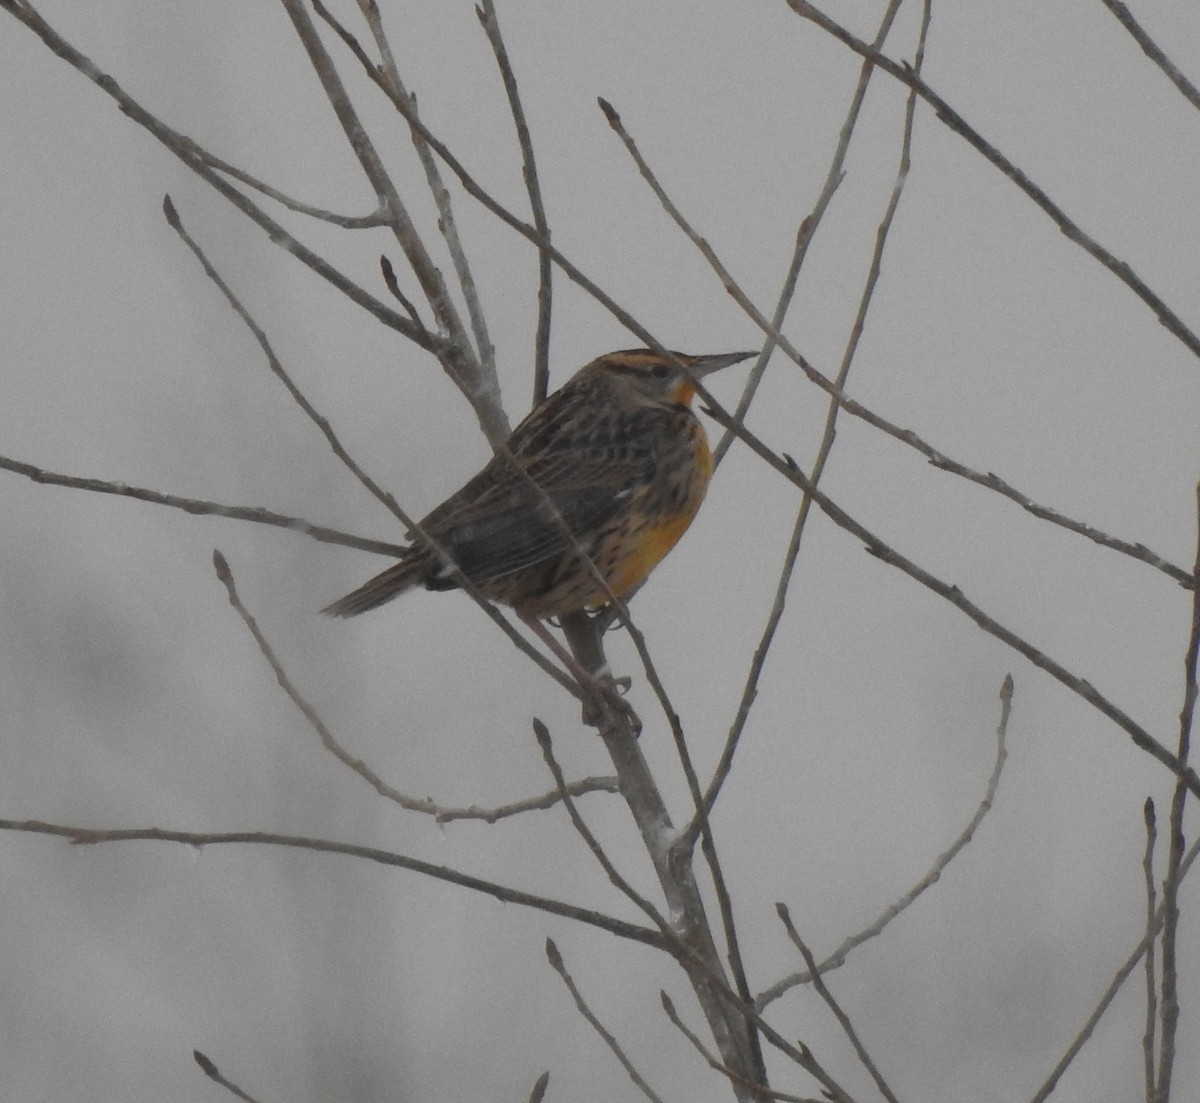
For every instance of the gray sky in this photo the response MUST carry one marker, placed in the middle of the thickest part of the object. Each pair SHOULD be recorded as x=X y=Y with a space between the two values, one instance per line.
x=135 y=697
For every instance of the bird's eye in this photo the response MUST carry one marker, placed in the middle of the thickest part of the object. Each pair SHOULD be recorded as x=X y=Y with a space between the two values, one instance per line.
x=660 y=371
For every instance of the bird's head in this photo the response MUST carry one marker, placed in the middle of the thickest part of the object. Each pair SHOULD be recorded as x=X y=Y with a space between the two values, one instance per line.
x=648 y=378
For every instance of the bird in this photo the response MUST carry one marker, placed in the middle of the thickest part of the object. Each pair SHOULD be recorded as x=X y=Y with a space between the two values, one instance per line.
x=582 y=502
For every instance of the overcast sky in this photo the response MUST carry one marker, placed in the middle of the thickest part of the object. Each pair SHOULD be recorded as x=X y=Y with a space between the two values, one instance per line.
x=135 y=697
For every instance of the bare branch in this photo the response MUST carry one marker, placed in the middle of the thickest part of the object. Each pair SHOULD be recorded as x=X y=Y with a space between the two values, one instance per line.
x=278 y=369
x=387 y=75
x=841 y=1016
x=542 y=734
x=836 y=959
x=1151 y=49
x=856 y=409
x=200 y=506
x=197 y=160
x=720 y=1066
x=541 y=345
x=393 y=286
x=775 y=616
x=539 y=1088
x=1171 y=882
x=346 y=222
x=808 y=228
x=1122 y=974
x=955 y=122
x=86 y=836
x=1151 y=975
x=330 y=742
x=556 y=963
x=478 y=386
x=213 y=1073
x=876 y=547
x=529 y=804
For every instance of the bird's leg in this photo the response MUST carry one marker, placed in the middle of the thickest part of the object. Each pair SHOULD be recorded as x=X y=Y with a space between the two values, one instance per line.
x=600 y=683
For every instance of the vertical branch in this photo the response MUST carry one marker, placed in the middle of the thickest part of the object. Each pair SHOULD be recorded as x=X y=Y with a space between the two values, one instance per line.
x=807 y=230
x=389 y=78
x=541 y=345
x=734 y=1033
x=460 y=362
x=750 y=689
x=1170 y=975
x=1151 y=932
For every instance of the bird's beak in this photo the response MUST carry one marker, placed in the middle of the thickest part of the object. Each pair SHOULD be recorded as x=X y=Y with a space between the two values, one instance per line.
x=700 y=366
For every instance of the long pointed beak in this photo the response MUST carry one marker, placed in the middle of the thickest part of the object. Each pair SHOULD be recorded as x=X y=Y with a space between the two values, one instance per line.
x=701 y=366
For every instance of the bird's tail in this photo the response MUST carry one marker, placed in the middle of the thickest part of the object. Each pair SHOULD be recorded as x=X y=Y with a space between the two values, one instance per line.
x=382 y=588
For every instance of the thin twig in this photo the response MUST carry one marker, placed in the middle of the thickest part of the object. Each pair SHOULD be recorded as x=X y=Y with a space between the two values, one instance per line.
x=460 y=362
x=856 y=409
x=955 y=122
x=387 y=76
x=423 y=805
x=182 y=147
x=197 y=160
x=86 y=836
x=539 y=1088
x=346 y=222
x=529 y=804
x=884 y=552
x=542 y=734
x=447 y=222
x=843 y=1019
x=393 y=286
x=838 y=957
x=557 y=964
x=1151 y=49
x=1169 y=1011
x=720 y=1066
x=1122 y=974
x=214 y=1074
x=1151 y=975
x=326 y=737
x=782 y=587
x=486 y=12
x=200 y=506
x=277 y=368
x=808 y=228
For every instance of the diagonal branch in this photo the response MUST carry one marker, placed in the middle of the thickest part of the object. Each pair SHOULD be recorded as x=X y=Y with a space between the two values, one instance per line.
x=331 y=743
x=541 y=344
x=479 y=387
x=200 y=506
x=843 y=1019
x=277 y=368
x=87 y=836
x=878 y=548
x=1152 y=50
x=838 y=958
x=808 y=228
x=1119 y=978
x=856 y=409
x=557 y=964
x=775 y=616
x=668 y=1006
x=214 y=1074
x=197 y=159
x=955 y=122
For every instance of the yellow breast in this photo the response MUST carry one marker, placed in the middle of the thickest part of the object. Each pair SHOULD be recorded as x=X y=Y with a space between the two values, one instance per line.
x=658 y=529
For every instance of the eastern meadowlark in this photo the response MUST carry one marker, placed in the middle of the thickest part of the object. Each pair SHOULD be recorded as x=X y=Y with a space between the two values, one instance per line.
x=611 y=468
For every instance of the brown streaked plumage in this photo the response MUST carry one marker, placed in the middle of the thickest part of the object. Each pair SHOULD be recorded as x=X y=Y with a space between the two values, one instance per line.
x=622 y=458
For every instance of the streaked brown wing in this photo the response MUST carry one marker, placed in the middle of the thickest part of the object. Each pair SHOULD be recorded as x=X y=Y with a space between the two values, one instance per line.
x=507 y=527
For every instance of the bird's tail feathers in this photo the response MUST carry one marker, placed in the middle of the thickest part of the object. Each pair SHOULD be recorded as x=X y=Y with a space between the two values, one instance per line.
x=382 y=588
